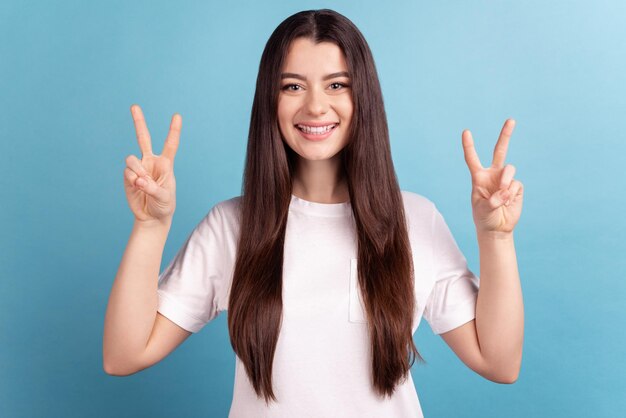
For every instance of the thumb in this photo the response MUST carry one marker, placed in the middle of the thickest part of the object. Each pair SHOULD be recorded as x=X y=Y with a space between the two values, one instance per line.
x=150 y=187
x=499 y=198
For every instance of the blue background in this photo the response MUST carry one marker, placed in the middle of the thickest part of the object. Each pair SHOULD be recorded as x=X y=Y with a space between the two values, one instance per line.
x=69 y=72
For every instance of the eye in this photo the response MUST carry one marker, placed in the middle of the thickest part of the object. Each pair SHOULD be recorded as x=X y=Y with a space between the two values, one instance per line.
x=338 y=86
x=291 y=87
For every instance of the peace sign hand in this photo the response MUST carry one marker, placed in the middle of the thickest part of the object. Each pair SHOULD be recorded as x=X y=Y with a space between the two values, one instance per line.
x=150 y=183
x=496 y=196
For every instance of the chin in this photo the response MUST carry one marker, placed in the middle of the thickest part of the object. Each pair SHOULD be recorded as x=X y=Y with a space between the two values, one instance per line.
x=313 y=157
x=318 y=157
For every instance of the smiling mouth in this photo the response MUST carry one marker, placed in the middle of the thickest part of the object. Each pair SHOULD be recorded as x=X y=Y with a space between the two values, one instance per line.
x=316 y=130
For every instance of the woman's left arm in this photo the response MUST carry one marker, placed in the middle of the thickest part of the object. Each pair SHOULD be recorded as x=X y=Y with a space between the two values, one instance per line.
x=491 y=344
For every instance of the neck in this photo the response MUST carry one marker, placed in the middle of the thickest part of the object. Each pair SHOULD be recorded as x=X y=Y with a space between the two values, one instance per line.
x=321 y=181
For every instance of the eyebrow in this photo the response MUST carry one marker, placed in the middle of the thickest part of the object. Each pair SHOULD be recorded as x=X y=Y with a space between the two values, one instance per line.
x=327 y=77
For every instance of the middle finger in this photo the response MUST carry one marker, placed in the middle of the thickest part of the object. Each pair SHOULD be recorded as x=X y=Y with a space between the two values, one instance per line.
x=143 y=135
x=499 y=152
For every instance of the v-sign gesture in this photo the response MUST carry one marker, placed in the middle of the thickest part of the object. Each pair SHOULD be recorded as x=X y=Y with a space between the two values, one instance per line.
x=496 y=196
x=150 y=184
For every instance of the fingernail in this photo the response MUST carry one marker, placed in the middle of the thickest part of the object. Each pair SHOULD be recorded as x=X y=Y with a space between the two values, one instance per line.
x=141 y=182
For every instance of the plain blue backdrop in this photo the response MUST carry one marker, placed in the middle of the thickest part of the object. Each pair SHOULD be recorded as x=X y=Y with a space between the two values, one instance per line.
x=69 y=72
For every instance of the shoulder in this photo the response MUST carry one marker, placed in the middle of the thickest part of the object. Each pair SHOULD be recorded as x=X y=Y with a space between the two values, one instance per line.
x=419 y=212
x=224 y=214
x=416 y=205
x=229 y=207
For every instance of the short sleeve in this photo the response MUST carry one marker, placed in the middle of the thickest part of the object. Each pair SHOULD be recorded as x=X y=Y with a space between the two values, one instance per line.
x=189 y=286
x=452 y=301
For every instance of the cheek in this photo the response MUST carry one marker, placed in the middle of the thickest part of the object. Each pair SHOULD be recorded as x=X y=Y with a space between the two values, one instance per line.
x=346 y=107
x=285 y=112
x=347 y=111
x=282 y=117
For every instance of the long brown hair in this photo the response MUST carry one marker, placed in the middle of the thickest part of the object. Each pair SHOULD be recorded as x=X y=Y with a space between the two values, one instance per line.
x=385 y=273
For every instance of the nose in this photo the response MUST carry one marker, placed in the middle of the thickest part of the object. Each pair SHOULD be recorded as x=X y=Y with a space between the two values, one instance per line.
x=316 y=102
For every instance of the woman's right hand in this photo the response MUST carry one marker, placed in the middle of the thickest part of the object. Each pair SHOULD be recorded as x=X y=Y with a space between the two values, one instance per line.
x=149 y=183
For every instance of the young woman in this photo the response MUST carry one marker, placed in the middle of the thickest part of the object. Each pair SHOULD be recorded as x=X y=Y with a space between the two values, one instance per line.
x=325 y=267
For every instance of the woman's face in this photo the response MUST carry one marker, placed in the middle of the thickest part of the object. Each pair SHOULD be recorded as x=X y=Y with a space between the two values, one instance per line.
x=315 y=101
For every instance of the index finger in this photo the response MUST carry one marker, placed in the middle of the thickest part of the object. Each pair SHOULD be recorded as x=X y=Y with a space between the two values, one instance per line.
x=143 y=136
x=499 y=152
x=173 y=138
x=471 y=157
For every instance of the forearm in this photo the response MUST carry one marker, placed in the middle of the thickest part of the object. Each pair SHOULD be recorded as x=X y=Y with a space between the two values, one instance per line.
x=132 y=305
x=499 y=308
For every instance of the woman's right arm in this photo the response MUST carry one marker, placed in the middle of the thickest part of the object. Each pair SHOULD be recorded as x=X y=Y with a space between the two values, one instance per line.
x=136 y=336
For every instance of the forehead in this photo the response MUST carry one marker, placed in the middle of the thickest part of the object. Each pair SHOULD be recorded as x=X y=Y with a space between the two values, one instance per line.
x=307 y=57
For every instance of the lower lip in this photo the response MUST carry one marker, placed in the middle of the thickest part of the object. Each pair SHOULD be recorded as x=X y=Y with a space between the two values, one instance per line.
x=313 y=137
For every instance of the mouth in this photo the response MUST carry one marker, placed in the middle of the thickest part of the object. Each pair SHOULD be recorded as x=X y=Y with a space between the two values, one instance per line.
x=316 y=130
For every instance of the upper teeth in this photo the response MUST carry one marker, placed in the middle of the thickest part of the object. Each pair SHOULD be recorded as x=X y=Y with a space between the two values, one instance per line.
x=316 y=129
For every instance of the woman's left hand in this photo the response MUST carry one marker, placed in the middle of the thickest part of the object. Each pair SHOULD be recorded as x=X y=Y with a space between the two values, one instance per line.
x=496 y=196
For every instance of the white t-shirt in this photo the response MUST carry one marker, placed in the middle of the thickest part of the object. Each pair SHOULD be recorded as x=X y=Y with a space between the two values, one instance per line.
x=322 y=360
